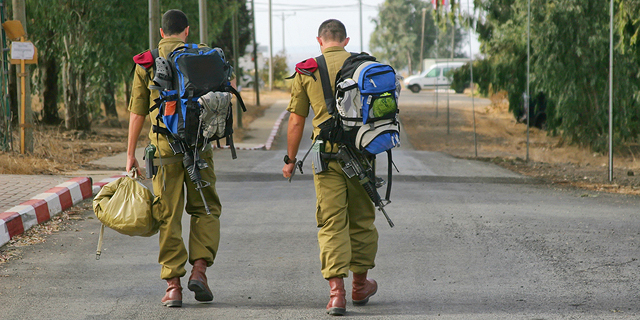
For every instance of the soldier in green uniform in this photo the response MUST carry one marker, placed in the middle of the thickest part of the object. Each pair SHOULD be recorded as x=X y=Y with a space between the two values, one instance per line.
x=170 y=179
x=345 y=215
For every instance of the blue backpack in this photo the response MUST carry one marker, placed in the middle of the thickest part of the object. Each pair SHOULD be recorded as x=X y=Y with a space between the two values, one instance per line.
x=365 y=107
x=187 y=74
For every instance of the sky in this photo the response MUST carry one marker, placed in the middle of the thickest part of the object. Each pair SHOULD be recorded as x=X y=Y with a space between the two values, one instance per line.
x=302 y=19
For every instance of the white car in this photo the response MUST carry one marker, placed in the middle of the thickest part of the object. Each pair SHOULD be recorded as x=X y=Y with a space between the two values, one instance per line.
x=437 y=76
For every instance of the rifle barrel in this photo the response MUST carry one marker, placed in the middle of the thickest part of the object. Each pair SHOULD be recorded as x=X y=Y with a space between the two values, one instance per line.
x=386 y=216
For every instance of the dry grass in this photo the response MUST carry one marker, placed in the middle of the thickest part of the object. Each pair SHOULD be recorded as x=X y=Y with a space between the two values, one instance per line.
x=503 y=141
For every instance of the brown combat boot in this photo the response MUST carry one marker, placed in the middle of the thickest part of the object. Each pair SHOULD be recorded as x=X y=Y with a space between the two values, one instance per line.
x=337 y=303
x=198 y=281
x=363 y=289
x=173 y=297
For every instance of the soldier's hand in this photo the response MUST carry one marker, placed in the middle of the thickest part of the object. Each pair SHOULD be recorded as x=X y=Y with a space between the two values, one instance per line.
x=287 y=170
x=133 y=162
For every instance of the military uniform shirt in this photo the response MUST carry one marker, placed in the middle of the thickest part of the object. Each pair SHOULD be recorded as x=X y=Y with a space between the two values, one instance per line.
x=307 y=92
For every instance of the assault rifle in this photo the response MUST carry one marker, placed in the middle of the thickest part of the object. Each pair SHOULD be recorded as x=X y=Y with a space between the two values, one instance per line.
x=354 y=164
x=194 y=163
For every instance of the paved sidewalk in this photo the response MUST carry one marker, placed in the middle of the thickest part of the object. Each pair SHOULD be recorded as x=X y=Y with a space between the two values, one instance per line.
x=24 y=197
x=15 y=189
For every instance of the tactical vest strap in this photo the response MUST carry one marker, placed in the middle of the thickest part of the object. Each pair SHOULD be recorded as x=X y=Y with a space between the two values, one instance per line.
x=161 y=130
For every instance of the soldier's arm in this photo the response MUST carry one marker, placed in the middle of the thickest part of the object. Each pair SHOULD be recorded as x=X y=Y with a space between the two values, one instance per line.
x=294 y=136
x=138 y=108
x=299 y=108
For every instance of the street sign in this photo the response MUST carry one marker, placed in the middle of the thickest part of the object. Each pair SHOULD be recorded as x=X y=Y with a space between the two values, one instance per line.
x=23 y=51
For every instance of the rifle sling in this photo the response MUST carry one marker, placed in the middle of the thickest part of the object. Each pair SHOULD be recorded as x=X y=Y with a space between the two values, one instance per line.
x=326 y=84
x=389 y=175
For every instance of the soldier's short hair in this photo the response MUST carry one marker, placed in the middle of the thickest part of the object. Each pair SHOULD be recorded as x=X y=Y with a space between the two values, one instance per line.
x=174 y=22
x=332 y=29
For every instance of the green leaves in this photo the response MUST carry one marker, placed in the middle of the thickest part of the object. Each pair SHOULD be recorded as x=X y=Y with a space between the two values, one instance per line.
x=397 y=37
x=98 y=38
x=569 y=63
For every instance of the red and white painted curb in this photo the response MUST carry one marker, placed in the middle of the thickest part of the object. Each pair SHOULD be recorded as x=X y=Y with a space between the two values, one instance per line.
x=42 y=207
x=46 y=205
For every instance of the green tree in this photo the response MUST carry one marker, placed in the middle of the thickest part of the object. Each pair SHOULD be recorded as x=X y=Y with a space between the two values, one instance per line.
x=397 y=36
x=280 y=71
x=569 y=63
x=89 y=45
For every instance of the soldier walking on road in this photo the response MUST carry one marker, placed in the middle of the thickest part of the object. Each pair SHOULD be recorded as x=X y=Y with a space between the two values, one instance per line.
x=171 y=178
x=347 y=237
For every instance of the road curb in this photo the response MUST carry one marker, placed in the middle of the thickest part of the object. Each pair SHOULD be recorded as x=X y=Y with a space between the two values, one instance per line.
x=43 y=206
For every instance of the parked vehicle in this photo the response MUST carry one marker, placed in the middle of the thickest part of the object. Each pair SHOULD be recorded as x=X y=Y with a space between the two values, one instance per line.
x=437 y=76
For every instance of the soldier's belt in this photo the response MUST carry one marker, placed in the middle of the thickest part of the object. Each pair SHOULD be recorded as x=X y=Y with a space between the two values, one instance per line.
x=167 y=160
x=328 y=156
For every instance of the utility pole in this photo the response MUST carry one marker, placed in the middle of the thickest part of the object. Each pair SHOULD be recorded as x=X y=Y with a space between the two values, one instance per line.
x=424 y=11
x=453 y=30
x=361 y=47
x=473 y=100
x=611 y=93
x=154 y=23
x=202 y=13
x=270 y=49
x=437 y=45
x=236 y=65
x=283 y=17
x=256 y=77
x=527 y=98
x=453 y=48
x=26 y=114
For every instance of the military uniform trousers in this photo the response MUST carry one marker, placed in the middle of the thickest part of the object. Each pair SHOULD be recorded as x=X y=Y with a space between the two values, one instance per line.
x=347 y=237
x=204 y=236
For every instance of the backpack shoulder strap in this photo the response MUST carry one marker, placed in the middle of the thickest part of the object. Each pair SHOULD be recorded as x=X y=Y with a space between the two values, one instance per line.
x=155 y=53
x=326 y=85
x=339 y=74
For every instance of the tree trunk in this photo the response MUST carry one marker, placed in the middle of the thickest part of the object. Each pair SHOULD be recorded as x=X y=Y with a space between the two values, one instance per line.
x=109 y=100
x=50 y=92
x=13 y=95
x=81 y=104
x=409 y=60
x=70 y=97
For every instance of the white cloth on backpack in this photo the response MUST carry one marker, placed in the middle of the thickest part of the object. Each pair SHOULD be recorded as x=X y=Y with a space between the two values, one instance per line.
x=215 y=111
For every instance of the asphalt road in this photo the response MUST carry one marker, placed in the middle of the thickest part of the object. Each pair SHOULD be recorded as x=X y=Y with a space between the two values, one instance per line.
x=472 y=241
